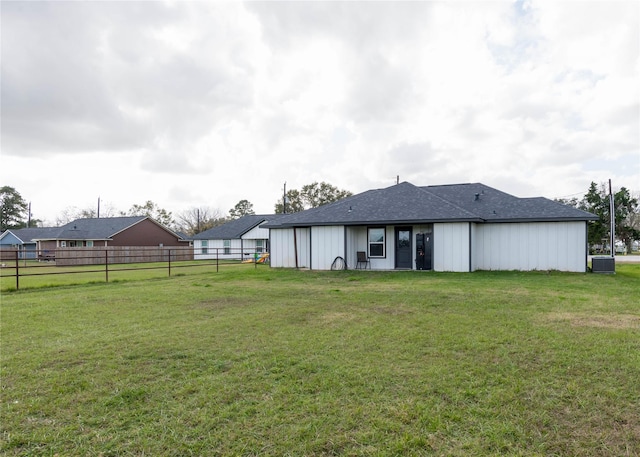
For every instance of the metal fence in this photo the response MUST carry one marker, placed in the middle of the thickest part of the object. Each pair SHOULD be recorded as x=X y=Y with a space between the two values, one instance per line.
x=18 y=264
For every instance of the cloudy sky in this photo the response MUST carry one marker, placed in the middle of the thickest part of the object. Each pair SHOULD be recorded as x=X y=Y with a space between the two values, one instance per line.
x=193 y=104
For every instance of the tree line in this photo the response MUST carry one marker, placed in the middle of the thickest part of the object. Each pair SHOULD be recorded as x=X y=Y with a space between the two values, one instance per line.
x=626 y=214
x=15 y=211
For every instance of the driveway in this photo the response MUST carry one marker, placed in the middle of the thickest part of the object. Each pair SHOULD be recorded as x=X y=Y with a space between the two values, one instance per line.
x=621 y=258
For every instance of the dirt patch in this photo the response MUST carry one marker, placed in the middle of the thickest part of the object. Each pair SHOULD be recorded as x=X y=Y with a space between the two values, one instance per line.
x=336 y=317
x=612 y=321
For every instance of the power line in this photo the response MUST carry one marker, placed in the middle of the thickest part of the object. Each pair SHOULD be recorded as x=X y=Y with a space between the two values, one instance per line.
x=570 y=195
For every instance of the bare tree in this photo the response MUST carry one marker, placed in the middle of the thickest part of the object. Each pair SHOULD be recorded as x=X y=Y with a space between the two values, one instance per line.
x=195 y=220
x=71 y=213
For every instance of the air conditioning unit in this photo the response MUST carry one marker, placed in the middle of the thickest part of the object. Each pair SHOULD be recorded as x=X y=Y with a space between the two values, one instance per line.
x=603 y=265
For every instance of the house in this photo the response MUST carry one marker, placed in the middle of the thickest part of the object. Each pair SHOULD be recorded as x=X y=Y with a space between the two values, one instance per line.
x=237 y=239
x=460 y=227
x=23 y=241
x=112 y=232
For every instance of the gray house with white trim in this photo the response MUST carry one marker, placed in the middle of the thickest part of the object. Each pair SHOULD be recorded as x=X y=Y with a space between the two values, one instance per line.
x=460 y=227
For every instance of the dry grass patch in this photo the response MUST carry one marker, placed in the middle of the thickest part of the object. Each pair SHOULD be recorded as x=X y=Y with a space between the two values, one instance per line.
x=610 y=321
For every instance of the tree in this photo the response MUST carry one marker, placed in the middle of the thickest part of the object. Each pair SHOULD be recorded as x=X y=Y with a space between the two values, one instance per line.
x=150 y=209
x=311 y=196
x=294 y=203
x=242 y=208
x=318 y=194
x=72 y=213
x=596 y=201
x=13 y=209
x=196 y=220
x=626 y=207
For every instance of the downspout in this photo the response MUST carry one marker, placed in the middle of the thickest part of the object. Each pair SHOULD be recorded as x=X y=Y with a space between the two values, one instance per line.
x=295 y=245
x=586 y=246
x=345 y=248
x=470 y=250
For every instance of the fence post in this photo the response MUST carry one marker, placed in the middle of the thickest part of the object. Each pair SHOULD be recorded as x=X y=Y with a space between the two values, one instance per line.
x=217 y=259
x=169 y=250
x=17 y=271
x=106 y=264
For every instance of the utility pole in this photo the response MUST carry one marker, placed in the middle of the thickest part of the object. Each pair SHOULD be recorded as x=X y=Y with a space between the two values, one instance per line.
x=284 y=199
x=612 y=215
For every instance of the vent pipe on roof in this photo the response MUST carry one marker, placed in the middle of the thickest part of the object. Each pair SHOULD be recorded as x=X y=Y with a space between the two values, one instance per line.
x=477 y=196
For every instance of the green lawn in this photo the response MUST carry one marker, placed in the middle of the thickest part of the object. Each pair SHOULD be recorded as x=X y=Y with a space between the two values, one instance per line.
x=282 y=362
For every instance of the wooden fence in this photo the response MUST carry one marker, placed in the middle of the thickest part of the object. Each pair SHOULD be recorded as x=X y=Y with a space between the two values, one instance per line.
x=121 y=254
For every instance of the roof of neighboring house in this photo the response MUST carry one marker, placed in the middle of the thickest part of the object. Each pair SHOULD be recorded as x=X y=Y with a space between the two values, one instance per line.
x=92 y=228
x=28 y=235
x=405 y=203
x=103 y=228
x=236 y=228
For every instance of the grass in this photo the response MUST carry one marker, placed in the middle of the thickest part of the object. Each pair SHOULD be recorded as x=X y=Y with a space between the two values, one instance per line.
x=33 y=274
x=283 y=362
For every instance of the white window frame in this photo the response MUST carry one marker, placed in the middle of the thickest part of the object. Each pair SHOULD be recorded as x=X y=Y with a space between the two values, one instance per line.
x=377 y=243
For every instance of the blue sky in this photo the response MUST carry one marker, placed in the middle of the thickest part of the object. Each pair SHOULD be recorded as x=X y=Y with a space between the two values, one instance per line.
x=202 y=104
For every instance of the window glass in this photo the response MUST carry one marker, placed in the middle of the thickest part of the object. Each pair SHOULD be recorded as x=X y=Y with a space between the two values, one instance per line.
x=227 y=246
x=376 y=242
x=259 y=245
x=204 y=247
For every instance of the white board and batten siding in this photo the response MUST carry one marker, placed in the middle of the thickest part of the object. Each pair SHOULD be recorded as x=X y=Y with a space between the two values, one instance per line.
x=282 y=244
x=327 y=243
x=256 y=233
x=451 y=246
x=530 y=246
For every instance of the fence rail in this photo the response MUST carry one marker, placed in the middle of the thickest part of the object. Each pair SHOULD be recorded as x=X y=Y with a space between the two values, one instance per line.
x=20 y=263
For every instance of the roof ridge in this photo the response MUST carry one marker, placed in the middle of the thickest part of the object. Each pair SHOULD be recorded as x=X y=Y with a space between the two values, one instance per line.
x=450 y=202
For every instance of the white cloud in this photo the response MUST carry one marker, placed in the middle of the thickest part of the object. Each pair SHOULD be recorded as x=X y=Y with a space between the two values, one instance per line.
x=207 y=103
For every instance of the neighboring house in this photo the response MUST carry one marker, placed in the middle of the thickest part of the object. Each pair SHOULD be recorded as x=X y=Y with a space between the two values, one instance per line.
x=237 y=239
x=460 y=227
x=135 y=231
x=23 y=241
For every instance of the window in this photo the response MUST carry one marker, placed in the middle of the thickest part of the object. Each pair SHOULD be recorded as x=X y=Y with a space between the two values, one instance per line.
x=204 y=247
x=259 y=245
x=90 y=243
x=376 y=242
x=227 y=246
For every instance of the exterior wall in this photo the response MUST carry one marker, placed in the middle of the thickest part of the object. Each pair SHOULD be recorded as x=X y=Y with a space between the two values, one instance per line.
x=238 y=249
x=356 y=241
x=282 y=253
x=327 y=243
x=531 y=246
x=451 y=246
x=256 y=233
x=145 y=233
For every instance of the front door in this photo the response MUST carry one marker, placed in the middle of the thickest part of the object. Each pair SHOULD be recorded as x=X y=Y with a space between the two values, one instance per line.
x=403 y=248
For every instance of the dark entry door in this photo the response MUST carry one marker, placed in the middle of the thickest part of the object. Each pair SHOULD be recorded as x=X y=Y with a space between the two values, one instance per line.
x=424 y=250
x=403 y=248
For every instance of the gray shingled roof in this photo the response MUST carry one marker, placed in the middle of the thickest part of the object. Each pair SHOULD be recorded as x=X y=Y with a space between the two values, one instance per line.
x=28 y=235
x=92 y=228
x=405 y=203
x=236 y=228
x=496 y=206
